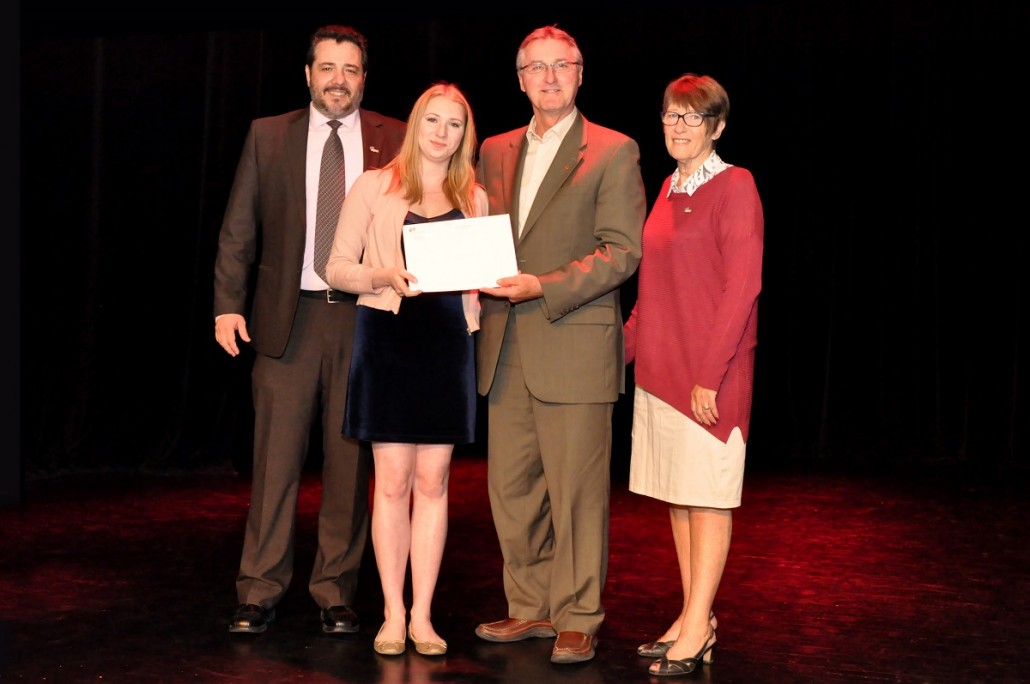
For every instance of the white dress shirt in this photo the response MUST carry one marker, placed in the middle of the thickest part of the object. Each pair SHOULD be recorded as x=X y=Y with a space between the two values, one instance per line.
x=354 y=159
x=539 y=156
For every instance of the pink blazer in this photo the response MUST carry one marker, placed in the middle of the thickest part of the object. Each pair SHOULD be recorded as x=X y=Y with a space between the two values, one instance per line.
x=368 y=237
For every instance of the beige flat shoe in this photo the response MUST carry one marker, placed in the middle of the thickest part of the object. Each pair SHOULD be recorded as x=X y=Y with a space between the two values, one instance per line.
x=429 y=648
x=387 y=647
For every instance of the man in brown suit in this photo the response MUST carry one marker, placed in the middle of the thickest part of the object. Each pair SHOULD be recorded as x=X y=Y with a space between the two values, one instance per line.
x=302 y=332
x=550 y=350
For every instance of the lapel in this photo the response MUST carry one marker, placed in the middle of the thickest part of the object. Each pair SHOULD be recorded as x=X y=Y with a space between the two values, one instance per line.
x=511 y=174
x=296 y=164
x=372 y=140
x=568 y=158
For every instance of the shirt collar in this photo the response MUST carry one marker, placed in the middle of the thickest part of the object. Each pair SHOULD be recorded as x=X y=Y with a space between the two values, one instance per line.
x=557 y=130
x=712 y=165
x=318 y=120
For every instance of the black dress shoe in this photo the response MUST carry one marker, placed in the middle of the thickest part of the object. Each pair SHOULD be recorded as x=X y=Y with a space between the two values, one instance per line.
x=339 y=620
x=251 y=619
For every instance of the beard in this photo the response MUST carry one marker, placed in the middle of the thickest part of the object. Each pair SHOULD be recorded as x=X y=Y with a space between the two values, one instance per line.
x=339 y=103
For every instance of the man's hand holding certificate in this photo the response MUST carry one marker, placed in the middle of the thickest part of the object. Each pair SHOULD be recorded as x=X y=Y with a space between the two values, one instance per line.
x=464 y=254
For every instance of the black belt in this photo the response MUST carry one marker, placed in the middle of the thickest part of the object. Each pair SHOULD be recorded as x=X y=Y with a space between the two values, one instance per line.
x=331 y=296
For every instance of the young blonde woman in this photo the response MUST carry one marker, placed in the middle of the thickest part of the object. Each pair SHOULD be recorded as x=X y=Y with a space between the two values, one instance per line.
x=411 y=392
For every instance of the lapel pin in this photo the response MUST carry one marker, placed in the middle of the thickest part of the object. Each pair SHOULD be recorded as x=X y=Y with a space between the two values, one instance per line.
x=373 y=148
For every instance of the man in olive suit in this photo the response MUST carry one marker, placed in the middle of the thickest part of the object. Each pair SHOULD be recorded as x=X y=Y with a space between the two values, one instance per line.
x=550 y=349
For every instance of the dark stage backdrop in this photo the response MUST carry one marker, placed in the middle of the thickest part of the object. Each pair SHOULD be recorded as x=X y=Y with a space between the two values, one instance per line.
x=886 y=139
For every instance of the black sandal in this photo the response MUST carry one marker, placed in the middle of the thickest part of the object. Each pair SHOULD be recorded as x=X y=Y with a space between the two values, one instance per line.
x=656 y=649
x=676 y=668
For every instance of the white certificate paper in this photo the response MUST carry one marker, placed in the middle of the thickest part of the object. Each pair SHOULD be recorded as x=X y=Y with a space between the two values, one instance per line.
x=463 y=254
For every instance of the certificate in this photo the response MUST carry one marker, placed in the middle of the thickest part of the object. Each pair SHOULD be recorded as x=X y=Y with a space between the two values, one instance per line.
x=463 y=254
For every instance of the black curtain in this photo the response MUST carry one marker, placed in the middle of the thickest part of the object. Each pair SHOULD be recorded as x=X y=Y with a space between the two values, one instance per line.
x=886 y=139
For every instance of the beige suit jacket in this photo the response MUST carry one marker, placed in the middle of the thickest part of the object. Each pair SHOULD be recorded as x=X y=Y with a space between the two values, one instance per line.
x=368 y=236
x=582 y=238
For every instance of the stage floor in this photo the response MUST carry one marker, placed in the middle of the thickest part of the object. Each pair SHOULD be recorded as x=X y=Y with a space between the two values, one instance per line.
x=832 y=577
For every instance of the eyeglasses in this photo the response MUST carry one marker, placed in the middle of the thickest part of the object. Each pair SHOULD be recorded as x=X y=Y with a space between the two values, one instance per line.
x=692 y=119
x=559 y=67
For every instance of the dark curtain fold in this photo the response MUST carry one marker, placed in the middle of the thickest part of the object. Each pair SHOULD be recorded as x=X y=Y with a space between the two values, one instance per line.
x=881 y=134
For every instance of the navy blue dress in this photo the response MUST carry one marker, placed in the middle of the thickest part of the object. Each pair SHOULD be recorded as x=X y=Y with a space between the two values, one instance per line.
x=412 y=374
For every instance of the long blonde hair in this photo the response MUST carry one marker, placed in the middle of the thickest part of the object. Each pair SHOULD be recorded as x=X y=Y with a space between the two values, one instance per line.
x=461 y=171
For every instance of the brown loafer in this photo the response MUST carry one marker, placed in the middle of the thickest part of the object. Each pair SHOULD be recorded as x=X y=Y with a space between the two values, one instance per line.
x=573 y=647
x=514 y=629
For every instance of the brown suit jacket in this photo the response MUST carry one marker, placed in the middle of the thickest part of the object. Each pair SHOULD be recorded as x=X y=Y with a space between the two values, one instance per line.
x=582 y=238
x=265 y=221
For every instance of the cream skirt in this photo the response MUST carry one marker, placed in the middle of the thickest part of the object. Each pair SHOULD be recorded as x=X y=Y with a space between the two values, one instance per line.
x=675 y=460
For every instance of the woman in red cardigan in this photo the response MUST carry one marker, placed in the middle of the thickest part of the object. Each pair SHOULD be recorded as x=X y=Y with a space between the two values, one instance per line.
x=692 y=337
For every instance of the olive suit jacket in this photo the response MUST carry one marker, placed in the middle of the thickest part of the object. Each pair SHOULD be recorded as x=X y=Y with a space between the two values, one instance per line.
x=265 y=220
x=582 y=238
